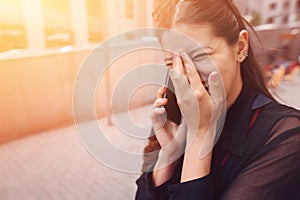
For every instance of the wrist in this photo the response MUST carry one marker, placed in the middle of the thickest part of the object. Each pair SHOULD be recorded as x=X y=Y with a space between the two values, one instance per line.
x=195 y=167
x=160 y=176
x=201 y=140
x=197 y=157
x=168 y=155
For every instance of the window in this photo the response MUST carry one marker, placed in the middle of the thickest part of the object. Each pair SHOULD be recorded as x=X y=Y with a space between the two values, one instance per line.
x=58 y=24
x=247 y=11
x=94 y=8
x=286 y=5
x=285 y=19
x=60 y=6
x=129 y=9
x=273 y=6
x=270 y=20
x=12 y=28
x=95 y=20
x=12 y=37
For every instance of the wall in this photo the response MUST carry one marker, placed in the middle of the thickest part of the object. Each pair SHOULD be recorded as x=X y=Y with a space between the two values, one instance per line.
x=36 y=91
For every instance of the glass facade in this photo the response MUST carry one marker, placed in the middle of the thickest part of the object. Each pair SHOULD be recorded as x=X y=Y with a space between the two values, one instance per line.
x=12 y=29
x=95 y=20
x=38 y=25
x=57 y=23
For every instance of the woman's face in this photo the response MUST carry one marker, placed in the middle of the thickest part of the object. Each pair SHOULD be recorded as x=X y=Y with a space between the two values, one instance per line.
x=218 y=54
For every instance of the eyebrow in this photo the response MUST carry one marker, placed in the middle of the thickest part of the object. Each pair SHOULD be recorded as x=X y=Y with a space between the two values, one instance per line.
x=193 y=53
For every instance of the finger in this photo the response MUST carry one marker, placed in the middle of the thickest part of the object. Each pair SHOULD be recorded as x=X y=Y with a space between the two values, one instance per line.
x=180 y=83
x=157 y=112
x=216 y=88
x=160 y=102
x=158 y=118
x=193 y=75
x=160 y=93
x=177 y=64
x=178 y=77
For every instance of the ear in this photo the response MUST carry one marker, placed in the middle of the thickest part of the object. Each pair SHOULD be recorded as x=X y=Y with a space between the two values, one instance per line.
x=242 y=46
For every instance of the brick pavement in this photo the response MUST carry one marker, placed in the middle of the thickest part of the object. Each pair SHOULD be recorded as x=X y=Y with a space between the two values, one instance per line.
x=55 y=165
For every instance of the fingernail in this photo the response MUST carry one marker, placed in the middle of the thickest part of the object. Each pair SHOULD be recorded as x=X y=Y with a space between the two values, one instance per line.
x=172 y=72
x=163 y=100
x=214 y=77
x=174 y=55
x=162 y=110
x=188 y=63
x=185 y=56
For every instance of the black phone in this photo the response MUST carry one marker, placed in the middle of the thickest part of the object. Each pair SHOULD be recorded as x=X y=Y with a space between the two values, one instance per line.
x=172 y=108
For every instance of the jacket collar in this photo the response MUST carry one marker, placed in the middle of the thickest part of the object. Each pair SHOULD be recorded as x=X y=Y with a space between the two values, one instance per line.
x=233 y=136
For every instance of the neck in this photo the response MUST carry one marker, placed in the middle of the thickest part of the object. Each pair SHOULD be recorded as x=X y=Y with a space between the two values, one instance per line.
x=235 y=92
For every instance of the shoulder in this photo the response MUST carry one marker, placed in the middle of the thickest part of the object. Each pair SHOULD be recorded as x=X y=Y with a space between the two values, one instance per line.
x=274 y=113
x=281 y=117
x=275 y=108
x=284 y=126
x=275 y=126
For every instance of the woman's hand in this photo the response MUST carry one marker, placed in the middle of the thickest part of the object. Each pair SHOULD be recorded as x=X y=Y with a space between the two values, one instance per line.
x=170 y=136
x=200 y=108
x=202 y=111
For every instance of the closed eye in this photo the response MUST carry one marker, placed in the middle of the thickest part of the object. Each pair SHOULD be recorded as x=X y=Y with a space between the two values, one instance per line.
x=200 y=56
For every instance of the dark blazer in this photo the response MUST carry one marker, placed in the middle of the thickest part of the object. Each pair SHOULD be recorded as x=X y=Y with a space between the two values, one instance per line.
x=256 y=157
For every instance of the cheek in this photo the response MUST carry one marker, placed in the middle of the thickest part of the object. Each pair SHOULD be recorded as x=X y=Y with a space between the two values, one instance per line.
x=229 y=72
x=205 y=67
x=224 y=65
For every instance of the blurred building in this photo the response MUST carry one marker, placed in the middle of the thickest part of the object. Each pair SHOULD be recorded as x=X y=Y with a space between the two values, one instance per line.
x=277 y=23
x=271 y=11
x=43 y=44
x=42 y=24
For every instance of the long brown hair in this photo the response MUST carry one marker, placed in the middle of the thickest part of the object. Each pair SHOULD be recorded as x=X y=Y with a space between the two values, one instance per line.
x=227 y=22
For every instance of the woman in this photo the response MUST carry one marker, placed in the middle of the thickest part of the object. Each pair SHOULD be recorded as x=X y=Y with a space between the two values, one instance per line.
x=258 y=153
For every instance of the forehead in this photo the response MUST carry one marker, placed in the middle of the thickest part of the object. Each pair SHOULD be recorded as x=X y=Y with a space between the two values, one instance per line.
x=186 y=37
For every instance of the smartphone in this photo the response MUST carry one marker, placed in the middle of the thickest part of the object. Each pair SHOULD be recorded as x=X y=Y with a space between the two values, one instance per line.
x=172 y=108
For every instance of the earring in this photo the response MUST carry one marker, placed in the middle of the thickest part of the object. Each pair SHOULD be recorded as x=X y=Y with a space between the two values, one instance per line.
x=243 y=56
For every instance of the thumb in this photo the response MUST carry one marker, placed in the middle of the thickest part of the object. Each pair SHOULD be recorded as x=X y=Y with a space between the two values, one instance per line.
x=216 y=87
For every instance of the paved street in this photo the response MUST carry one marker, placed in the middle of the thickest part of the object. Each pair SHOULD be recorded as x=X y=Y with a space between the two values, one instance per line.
x=55 y=165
